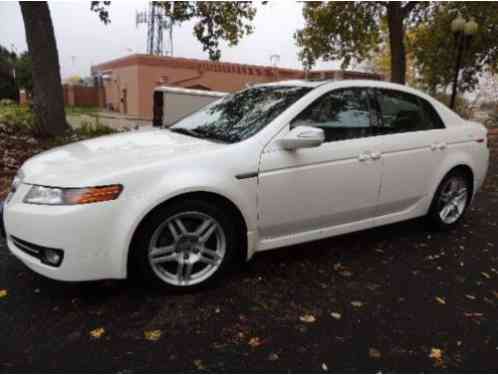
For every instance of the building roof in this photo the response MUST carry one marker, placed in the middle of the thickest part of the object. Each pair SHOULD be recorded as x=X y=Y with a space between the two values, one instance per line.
x=226 y=67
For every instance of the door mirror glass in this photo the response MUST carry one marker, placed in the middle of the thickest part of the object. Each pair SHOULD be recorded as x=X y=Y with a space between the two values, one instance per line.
x=303 y=137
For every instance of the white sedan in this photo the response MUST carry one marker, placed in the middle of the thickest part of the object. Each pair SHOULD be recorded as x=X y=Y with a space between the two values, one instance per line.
x=267 y=167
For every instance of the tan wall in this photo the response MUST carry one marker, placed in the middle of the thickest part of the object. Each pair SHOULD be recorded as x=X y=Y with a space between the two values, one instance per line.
x=123 y=78
x=140 y=74
x=82 y=96
x=152 y=76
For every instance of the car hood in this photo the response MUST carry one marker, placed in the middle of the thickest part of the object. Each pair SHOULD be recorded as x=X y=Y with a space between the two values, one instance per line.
x=103 y=159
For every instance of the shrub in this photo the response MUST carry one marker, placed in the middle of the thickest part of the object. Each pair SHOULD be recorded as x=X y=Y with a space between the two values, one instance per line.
x=492 y=120
x=6 y=102
x=17 y=117
x=462 y=106
x=88 y=129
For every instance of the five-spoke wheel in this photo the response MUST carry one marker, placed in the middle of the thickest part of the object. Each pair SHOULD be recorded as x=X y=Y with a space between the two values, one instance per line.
x=187 y=248
x=186 y=244
x=451 y=200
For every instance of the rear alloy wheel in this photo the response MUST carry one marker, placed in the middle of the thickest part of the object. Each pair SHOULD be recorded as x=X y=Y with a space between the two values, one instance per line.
x=451 y=201
x=186 y=245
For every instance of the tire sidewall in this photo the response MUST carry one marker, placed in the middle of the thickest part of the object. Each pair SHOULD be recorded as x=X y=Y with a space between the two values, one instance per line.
x=434 y=219
x=140 y=246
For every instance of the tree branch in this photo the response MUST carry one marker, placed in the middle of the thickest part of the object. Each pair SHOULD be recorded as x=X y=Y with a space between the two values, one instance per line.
x=409 y=7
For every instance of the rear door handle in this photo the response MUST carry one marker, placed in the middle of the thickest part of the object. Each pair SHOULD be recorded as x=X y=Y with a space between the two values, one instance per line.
x=375 y=155
x=442 y=145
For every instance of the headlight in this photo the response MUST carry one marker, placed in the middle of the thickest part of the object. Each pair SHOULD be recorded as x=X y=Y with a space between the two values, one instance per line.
x=71 y=196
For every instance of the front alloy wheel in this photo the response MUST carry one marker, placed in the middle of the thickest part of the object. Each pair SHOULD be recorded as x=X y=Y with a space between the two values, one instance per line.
x=187 y=248
x=185 y=245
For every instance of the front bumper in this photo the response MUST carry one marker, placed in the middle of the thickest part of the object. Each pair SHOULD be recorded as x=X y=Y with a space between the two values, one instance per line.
x=2 y=224
x=84 y=233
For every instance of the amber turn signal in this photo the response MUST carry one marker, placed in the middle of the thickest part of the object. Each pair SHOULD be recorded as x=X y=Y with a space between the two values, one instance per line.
x=93 y=194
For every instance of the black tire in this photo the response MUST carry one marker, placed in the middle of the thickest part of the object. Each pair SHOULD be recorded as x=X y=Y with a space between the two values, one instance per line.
x=434 y=217
x=139 y=252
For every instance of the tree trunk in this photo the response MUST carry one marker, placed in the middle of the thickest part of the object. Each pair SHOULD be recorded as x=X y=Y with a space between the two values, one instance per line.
x=396 y=42
x=48 y=98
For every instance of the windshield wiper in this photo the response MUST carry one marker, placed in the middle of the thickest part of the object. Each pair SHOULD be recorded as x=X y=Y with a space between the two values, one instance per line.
x=211 y=134
x=192 y=133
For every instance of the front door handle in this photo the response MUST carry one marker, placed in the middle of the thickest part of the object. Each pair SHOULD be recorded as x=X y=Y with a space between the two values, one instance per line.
x=363 y=157
x=434 y=146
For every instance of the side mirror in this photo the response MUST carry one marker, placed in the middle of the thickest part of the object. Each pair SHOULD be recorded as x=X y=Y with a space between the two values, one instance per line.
x=303 y=137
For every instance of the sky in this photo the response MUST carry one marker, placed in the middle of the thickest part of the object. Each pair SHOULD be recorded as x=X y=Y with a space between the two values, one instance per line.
x=83 y=40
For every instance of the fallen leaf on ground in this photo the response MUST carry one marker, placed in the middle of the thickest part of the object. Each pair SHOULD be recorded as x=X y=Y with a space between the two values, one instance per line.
x=307 y=318
x=97 y=333
x=356 y=303
x=336 y=315
x=153 y=335
x=437 y=356
x=471 y=297
x=255 y=342
x=199 y=365
x=440 y=300
x=3 y=293
x=486 y=275
x=345 y=273
x=325 y=367
x=273 y=357
x=496 y=294
x=473 y=315
x=374 y=353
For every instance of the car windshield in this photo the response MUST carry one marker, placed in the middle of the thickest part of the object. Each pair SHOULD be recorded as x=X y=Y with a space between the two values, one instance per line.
x=240 y=115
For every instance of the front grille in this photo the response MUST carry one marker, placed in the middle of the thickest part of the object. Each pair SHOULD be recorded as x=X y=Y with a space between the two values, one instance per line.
x=34 y=250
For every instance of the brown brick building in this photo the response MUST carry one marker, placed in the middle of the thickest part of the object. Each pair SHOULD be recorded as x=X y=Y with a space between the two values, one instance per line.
x=128 y=82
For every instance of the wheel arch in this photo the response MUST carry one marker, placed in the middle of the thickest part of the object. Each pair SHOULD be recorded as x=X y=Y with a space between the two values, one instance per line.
x=204 y=195
x=461 y=166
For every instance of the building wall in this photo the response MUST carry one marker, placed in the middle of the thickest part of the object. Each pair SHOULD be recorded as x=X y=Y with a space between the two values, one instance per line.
x=122 y=91
x=82 y=96
x=138 y=75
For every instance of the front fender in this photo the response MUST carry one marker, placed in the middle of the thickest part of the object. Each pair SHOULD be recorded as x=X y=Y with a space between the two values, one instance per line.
x=139 y=201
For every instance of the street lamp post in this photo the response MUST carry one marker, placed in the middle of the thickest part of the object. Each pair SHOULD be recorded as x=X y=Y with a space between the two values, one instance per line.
x=463 y=31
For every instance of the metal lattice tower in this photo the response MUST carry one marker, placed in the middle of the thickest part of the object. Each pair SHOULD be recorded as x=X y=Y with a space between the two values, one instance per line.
x=157 y=22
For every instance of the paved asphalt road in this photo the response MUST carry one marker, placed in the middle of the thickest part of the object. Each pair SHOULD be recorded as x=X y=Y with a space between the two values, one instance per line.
x=397 y=298
x=384 y=283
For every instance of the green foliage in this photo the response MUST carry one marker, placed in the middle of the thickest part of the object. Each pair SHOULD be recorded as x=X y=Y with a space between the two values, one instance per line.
x=434 y=45
x=19 y=117
x=492 y=120
x=350 y=31
x=8 y=87
x=89 y=129
x=78 y=111
x=339 y=31
x=6 y=102
x=462 y=106
x=24 y=78
x=215 y=21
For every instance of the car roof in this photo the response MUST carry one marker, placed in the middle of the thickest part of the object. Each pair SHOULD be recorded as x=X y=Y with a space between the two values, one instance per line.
x=448 y=115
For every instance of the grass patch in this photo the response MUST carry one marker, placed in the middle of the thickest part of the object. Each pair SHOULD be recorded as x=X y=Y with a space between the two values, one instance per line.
x=78 y=111
x=17 y=117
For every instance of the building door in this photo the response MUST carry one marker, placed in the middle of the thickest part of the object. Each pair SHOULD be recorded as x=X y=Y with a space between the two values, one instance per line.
x=124 y=100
